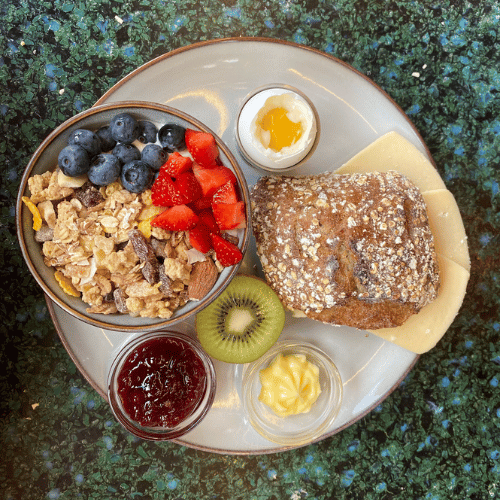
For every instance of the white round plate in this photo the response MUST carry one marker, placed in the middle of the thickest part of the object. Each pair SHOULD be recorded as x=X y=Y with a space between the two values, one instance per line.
x=210 y=80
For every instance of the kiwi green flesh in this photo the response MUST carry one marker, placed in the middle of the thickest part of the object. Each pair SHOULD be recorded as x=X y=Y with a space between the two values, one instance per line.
x=242 y=323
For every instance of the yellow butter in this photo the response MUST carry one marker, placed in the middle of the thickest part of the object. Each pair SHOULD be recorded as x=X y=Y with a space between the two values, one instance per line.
x=290 y=385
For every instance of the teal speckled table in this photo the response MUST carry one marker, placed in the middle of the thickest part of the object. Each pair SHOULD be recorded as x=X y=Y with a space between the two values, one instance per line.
x=437 y=436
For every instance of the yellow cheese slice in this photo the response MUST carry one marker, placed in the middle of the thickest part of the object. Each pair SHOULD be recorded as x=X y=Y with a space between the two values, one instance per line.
x=394 y=152
x=447 y=227
x=423 y=331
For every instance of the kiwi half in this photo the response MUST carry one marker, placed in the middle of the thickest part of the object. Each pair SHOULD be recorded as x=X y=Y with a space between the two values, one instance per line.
x=242 y=323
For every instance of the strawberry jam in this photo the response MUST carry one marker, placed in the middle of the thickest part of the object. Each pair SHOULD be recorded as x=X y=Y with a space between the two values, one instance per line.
x=162 y=382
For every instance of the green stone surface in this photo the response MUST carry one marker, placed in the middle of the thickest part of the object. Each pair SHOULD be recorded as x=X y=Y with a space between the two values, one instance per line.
x=438 y=435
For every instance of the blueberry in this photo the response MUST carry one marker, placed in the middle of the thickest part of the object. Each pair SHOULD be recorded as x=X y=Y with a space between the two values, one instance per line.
x=107 y=141
x=87 y=140
x=104 y=169
x=126 y=152
x=73 y=160
x=147 y=132
x=155 y=156
x=124 y=128
x=136 y=176
x=171 y=137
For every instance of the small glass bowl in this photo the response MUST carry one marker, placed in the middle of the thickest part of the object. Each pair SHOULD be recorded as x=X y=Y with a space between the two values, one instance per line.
x=304 y=428
x=198 y=413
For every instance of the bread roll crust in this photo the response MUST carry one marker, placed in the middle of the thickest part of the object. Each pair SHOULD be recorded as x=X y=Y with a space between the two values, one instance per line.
x=351 y=250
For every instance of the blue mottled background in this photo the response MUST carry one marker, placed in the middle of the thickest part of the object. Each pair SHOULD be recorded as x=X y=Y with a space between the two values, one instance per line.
x=438 y=435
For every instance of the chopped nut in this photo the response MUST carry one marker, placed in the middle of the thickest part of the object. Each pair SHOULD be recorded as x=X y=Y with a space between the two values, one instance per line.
x=203 y=277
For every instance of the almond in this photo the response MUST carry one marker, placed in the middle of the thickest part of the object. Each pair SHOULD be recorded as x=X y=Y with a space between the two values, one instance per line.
x=202 y=279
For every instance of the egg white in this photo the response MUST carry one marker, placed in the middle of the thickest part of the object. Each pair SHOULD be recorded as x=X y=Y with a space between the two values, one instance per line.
x=251 y=135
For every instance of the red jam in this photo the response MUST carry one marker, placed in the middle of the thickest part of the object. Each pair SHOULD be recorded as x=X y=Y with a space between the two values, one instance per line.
x=162 y=382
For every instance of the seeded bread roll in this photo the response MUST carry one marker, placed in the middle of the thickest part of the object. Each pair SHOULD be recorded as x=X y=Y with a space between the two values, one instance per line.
x=351 y=250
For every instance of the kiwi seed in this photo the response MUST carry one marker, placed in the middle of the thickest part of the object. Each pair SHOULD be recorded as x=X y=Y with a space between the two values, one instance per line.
x=242 y=323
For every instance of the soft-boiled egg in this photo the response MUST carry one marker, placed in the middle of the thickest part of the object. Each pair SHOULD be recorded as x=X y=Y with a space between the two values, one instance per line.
x=277 y=128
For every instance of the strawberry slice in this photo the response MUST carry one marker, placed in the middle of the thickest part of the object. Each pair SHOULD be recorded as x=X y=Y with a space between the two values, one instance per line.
x=199 y=237
x=225 y=194
x=211 y=179
x=201 y=203
x=167 y=192
x=188 y=188
x=163 y=191
x=202 y=147
x=177 y=218
x=177 y=164
x=229 y=215
x=227 y=253
x=207 y=218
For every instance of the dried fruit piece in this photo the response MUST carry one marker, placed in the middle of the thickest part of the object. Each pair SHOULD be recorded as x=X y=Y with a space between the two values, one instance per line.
x=89 y=195
x=120 y=300
x=37 y=219
x=66 y=285
x=146 y=254
x=203 y=277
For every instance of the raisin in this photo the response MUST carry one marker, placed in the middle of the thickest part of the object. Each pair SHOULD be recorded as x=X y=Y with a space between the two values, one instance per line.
x=89 y=195
x=141 y=246
x=159 y=247
x=146 y=254
x=232 y=239
x=166 y=282
x=150 y=271
x=119 y=296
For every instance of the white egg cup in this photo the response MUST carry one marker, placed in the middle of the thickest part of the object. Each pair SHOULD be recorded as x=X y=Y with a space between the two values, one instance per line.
x=256 y=99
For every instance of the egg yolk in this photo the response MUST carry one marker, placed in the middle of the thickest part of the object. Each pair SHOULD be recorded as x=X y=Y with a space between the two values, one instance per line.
x=283 y=132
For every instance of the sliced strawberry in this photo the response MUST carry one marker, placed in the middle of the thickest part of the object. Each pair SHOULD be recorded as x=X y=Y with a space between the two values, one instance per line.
x=207 y=218
x=226 y=194
x=177 y=218
x=167 y=192
x=201 y=203
x=199 y=237
x=211 y=179
x=177 y=164
x=188 y=188
x=202 y=147
x=227 y=253
x=163 y=191
x=229 y=215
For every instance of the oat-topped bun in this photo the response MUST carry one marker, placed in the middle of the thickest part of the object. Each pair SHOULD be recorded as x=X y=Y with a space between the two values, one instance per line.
x=351 y=250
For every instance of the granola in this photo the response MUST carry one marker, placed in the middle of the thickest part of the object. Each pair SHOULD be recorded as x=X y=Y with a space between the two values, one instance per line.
x=104 y=250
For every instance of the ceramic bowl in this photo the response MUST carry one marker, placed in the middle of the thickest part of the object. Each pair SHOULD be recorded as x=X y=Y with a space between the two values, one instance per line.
x=293 y=430
x=164 y=349
x=45 y=158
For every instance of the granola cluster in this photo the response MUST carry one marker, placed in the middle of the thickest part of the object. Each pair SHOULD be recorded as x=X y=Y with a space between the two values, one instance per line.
x=104 y=250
